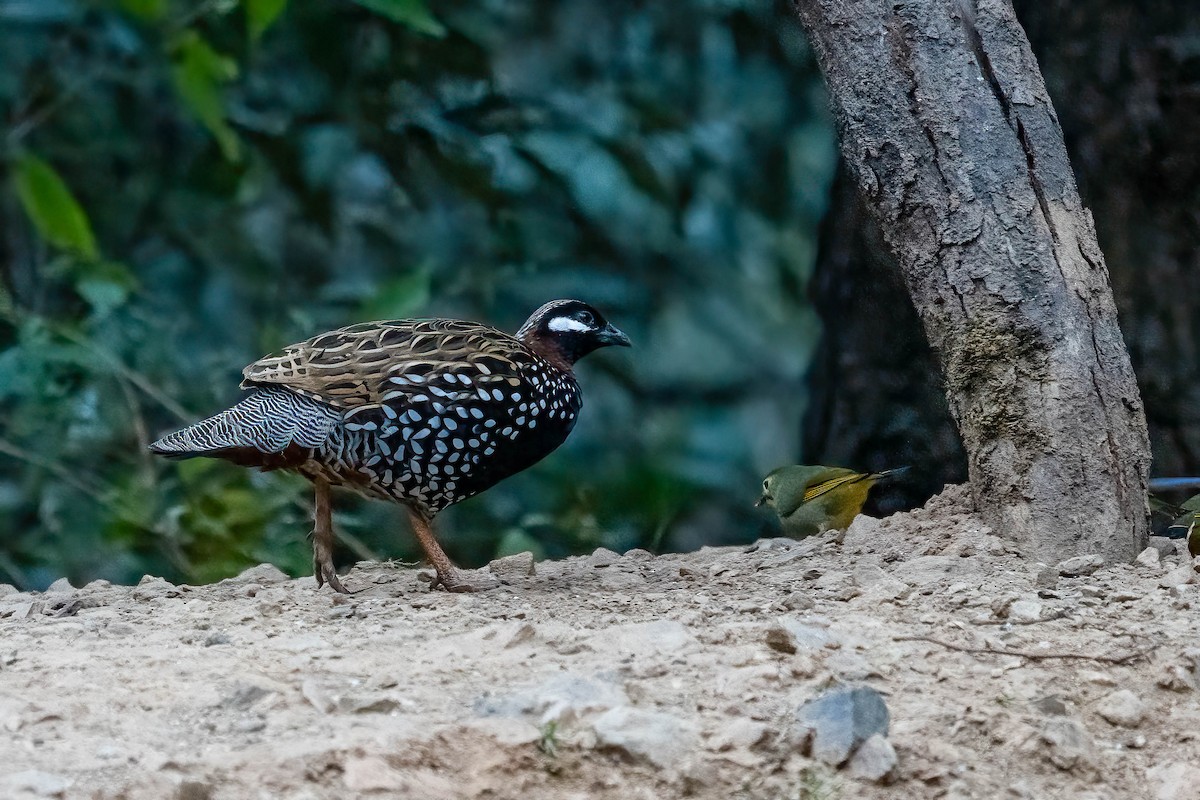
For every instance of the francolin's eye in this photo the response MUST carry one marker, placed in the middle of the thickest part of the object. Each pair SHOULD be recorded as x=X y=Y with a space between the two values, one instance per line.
x=586 y=318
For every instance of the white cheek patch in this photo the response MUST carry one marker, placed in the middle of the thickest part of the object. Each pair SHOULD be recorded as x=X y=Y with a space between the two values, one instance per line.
x=564 y=324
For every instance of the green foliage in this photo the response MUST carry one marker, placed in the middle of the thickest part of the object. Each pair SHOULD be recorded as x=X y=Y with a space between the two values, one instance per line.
x=413 y=13
x=149 y=10
x=199 y=74
x=261 y=14
x=228 y=177
x=52 y=208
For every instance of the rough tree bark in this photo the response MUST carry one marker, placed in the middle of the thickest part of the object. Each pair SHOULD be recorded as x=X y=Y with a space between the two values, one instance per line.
x=946 y=124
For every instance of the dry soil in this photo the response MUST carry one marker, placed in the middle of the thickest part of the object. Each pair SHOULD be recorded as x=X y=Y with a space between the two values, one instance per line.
x=620 y=676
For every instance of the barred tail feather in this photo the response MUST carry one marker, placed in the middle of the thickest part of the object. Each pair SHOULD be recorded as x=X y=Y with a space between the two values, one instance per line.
x=266 y=423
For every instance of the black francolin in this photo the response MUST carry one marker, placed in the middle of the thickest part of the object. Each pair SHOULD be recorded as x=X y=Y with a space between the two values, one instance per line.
x=420 y=412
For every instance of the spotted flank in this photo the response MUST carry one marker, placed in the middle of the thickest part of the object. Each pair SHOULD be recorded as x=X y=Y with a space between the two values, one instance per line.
x=421 y=412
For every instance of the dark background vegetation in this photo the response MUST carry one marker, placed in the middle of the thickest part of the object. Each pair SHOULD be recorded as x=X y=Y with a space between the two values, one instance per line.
x=185 y=186
x=243 y=179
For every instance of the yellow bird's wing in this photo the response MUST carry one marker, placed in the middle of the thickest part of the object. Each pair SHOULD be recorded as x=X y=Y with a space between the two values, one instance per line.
x=816 y=490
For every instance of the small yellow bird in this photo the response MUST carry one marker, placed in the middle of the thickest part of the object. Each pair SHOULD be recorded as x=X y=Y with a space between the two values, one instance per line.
x=1185 y=526
x=815 y=499
x=1186 y=517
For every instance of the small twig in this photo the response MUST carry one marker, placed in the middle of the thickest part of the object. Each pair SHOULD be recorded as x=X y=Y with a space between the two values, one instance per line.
x=1054 y=616
x=1116 y=660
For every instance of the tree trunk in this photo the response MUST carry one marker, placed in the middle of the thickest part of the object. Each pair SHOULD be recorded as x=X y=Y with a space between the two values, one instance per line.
x=946 y=124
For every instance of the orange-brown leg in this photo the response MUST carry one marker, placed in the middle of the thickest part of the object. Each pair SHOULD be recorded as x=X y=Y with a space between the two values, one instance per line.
x=448 y=575
x=323 y=539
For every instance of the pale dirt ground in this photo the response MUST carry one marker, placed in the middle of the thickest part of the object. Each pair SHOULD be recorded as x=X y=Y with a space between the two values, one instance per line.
x=615 y=677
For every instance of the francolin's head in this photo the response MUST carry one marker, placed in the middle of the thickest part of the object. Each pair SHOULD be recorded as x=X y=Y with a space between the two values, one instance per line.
x=564 y=331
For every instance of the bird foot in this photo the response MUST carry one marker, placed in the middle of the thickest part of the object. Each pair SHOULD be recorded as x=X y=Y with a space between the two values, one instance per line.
x=465 y=580
x=324 y=571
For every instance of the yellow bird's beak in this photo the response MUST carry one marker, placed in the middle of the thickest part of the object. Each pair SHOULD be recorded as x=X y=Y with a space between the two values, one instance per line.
x=761 y=500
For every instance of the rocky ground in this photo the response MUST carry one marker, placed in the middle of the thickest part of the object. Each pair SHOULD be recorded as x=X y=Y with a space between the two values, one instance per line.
x=918 y=657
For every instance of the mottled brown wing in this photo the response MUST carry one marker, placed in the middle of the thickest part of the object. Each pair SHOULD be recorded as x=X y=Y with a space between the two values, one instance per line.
x=375 y=362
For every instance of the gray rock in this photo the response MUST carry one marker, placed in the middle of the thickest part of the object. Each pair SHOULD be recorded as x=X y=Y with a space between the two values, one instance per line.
x=1025 y=611
x=1080 y=565
x=513 y=568
x=7 y=589
x=830 y=726
x=798 y=601
x=865 y=575
x=1174 y=781
x=27 y=610
x=1069 y=746
x=877 y=584
x=789 y=635
x=371 y=774
x=151 y=587
x=245 y=695
x=660 y=739
x=34 y=781
x=60 y=585
x=863 y=531
x=874 y=760
x=1123 y=708
x=738 y=733
x=1180 y=576
x=194 y=790
x=561 y=699
x=644 y=638
x=1051 y=705
x=603 y=557
x=318 y=695
x=1150 y=557
x=1045 y=578
x=261 y=574
x=1164 y=546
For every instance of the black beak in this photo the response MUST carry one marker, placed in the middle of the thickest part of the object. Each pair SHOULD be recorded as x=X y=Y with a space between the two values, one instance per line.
x=609 y=335
x=760 y=501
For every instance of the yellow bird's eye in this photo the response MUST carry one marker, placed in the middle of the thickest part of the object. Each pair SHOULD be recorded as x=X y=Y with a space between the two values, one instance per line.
x=766 y=486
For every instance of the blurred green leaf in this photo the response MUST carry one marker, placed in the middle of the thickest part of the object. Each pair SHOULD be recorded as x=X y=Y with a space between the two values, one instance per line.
x=518 y=541
x=149 y=10
x=52 y=208
x=261 y=14
x=199 y=75
x=105 y=285
x=400 y=297
x=411 y=13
